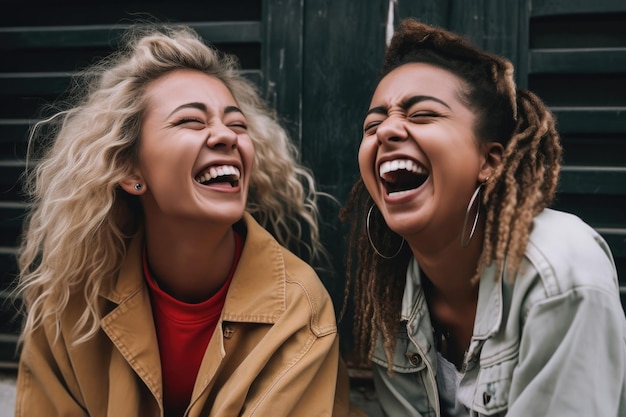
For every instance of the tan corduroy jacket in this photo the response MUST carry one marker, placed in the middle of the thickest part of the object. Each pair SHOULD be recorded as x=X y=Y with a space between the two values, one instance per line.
x=274 y=351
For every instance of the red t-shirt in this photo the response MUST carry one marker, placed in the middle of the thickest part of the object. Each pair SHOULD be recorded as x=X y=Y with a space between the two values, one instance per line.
x=183 y=331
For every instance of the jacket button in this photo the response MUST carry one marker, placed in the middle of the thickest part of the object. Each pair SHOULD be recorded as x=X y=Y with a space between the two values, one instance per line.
x=414 y=358
x=486 y=398
x=228 y=331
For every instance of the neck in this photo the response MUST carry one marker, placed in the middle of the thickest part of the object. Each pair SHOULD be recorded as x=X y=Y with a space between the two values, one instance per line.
x=451 y=270
x=451 y=294
x=190 y=265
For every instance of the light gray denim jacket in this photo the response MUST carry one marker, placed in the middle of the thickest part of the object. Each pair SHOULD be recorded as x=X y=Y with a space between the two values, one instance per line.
x=552 y=343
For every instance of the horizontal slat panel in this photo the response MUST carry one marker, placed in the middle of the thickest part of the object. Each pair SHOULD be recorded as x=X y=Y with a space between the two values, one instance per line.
x=13 y=130
x=11 y=218
x=590 y=119
x=229 y=32
x=562 y=7
x=104 y=35
x=34 y=83
x=620 y=265
x=8 y=265
x=70 y=13
x=8 y=273
x=594 y=150
x=586 y=91
x=10 y=181
x=9 y=318
x=256 y=76
x=8 y=355
x=51 y=83
x=593 y=180
x=616 y=238
x=599 y=210
x=598 y=60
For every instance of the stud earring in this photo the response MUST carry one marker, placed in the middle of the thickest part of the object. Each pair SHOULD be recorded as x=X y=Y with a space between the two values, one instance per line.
x=138 y=187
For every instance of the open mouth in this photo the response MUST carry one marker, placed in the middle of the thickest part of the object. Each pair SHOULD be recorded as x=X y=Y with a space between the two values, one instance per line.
x=220 y=174
x=401 y=175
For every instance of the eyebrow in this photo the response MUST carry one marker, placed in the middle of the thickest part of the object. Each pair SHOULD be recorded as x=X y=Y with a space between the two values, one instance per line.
x=406 y=104
x=193 y=105
x=202 y=107
x=232 y=109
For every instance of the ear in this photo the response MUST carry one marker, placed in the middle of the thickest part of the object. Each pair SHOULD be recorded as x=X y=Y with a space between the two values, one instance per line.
x=133 y=185
x=492 y=152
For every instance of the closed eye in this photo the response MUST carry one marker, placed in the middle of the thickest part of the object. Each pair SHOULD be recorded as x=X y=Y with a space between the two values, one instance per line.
x=187 y=120
x=423 y=116
x=238 y=127
x=370 y=128
x=236 y=122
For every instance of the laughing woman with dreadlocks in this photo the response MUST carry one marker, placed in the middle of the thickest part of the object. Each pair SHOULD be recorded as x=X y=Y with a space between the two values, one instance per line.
x=472 y=297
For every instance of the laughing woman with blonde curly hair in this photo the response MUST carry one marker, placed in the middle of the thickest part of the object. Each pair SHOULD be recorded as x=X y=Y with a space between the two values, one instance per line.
x=150 y=282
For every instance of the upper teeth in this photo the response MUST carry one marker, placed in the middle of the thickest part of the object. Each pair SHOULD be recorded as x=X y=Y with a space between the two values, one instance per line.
x=399 y=164
x=218 y=171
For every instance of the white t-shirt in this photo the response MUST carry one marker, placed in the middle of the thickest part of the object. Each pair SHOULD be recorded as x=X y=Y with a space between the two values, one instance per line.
x=448 y=379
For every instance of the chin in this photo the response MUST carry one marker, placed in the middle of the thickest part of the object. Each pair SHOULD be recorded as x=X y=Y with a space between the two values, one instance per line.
x=232 y=216
x=404 y=226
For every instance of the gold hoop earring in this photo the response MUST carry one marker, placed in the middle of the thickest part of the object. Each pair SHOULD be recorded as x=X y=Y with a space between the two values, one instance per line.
x=475 y=196
x=369 y=236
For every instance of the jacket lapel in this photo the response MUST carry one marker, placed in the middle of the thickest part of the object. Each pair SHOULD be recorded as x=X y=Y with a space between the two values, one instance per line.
x=256 y=295
x=130 y=325
x=257 y=291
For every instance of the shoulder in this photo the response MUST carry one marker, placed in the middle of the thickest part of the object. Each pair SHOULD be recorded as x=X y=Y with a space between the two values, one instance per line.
x=270 y=256
x=563 y=247
x=553 y=226
x=305 y=288
x=566 y=260
x=302 y=294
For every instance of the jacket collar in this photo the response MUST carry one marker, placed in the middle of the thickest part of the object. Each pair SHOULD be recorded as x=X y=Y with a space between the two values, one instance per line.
x=489 y=310
x=256 y=294
x=130 y=278
x=490 y=304
x=257 y=290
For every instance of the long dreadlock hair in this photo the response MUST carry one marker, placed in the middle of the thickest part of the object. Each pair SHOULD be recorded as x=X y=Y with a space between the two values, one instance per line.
x=522 y=186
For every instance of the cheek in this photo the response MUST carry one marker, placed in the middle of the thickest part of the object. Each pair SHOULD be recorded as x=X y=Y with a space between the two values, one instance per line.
x=367 y=161
x=366 y=156
x=165 y=161
x=457 y=150
x=246 y=149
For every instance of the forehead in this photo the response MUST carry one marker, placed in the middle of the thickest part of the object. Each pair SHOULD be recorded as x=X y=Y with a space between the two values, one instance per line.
x=417 y=78
x=186 y=86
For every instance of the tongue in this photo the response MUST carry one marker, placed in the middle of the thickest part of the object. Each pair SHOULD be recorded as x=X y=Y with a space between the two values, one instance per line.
x=223 y=181
x=403 y=180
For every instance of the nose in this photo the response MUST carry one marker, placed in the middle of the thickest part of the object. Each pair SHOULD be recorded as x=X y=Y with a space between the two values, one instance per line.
x=391 y=129
x=221 y=137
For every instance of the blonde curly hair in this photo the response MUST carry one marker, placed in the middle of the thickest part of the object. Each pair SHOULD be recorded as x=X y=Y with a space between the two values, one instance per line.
x=77 y=228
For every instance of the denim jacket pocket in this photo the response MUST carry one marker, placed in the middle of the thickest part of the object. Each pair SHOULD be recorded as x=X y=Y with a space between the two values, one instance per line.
x=410 y=390
x=406 y=358
x=491 y=397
